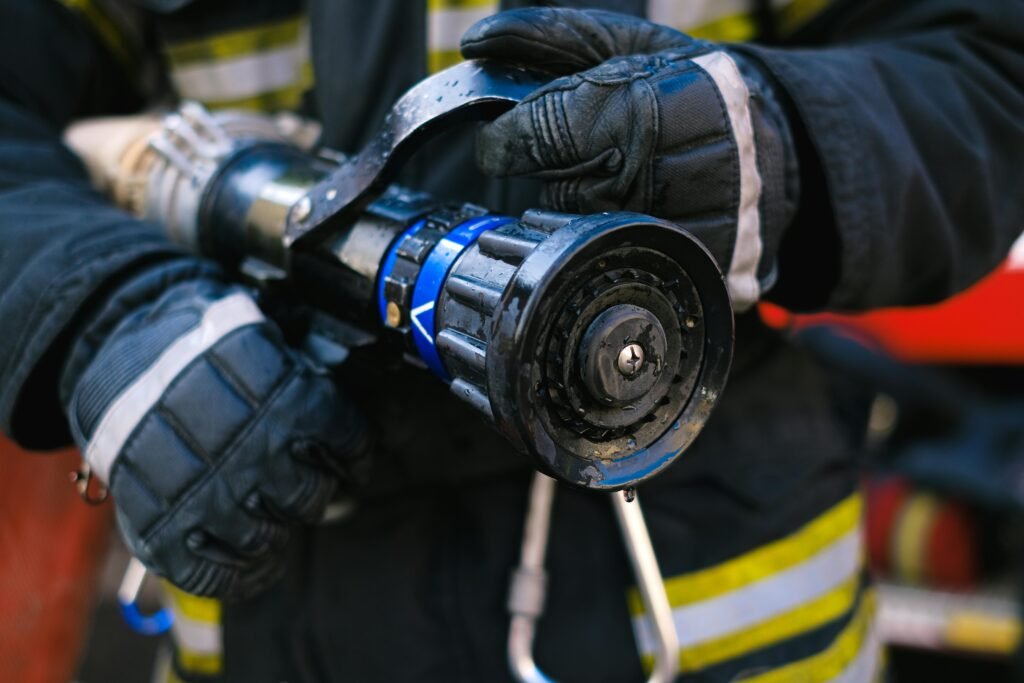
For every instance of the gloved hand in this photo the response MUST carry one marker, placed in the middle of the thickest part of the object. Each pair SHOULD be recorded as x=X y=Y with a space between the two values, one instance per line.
x=214 y=437
x=650 y=121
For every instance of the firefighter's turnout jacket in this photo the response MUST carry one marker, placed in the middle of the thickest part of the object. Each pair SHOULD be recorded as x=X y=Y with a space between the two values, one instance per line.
x=914 y=110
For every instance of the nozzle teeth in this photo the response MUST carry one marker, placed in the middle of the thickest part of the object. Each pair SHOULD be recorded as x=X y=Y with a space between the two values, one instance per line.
x=509 y=247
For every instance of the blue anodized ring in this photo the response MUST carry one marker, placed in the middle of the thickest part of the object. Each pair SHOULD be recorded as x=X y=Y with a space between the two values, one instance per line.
x=430 y=282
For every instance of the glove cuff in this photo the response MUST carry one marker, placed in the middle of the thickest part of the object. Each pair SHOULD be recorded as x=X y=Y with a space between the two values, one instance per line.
x=131 y=294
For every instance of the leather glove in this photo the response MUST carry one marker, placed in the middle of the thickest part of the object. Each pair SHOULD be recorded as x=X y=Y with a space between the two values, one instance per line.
x=213 y=436
x=650 y=120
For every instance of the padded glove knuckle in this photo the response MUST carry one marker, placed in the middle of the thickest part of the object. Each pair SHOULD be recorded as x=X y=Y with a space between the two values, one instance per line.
x=193 y=408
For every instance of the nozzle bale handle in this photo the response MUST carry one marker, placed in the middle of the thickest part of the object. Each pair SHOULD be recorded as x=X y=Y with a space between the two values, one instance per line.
x=476 y=90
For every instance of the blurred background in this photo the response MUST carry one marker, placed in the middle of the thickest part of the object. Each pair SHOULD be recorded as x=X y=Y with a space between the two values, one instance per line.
x=934 y=399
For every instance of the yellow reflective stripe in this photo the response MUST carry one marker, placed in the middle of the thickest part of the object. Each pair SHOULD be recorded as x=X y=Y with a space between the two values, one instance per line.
x=435 y=5
x=833 y=661
x=202 y=663
x=717 y=23
x=447 y=20
x=283 y=99
x=238 y=43
x=978 y=632
x=807 y=617
x=200 y=618
x=101 y=23
x=911 y=537
x=442 y=59
x=206 y=610
x=796 y=13
x=736 y=28
x=762 y=562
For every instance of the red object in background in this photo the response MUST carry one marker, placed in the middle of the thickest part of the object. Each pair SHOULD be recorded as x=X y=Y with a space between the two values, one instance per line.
x=920 y=538
x=983 y=325
x=51 y=546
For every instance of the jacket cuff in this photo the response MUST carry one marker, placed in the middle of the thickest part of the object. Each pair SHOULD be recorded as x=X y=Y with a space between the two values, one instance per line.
x=822 y=108
x=79 y=274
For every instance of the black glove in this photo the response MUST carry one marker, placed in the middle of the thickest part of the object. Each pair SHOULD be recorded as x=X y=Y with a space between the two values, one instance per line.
x=213 y=436
x=651 y=121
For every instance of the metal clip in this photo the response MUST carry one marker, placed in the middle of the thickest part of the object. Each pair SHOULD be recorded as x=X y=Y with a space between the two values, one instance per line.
x=81 y=479
x=529 y=584
x=127 y=598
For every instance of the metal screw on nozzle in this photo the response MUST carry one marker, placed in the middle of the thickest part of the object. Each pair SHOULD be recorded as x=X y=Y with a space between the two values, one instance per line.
x=303 y=209
x=631 y=359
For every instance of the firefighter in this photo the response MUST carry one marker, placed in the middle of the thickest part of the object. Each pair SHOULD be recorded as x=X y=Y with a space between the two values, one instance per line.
x=832 y=155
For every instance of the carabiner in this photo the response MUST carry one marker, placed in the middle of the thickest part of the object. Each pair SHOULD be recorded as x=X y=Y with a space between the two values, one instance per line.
x=127 y=598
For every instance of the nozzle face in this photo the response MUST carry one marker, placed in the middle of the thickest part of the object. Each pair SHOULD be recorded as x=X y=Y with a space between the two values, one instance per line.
x=611 y=344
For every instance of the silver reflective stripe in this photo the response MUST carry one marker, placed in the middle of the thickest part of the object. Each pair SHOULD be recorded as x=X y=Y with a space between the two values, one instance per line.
x=446 y=26
x=197 y=637
x=693 y=13
x=757 y=602
x=243 y=77
x=124 y=414
x=744 y=289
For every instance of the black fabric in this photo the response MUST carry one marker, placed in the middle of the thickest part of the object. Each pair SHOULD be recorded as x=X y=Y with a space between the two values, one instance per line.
x=914 y=111
x=59 y=241
x=247 y=440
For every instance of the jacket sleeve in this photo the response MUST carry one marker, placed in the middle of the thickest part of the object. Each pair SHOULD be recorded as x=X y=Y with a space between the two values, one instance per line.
x=61 y=244
x=914 y=110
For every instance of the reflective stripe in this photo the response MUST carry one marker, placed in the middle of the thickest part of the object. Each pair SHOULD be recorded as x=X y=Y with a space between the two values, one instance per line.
x=765 y=561
x=246 y=76
x=707 y=620
x=744 y=289
x=909 y=544
x=124 y=414
x=773 y=593
x=197 y=632
x=689 y=15
x=283 y=99
x=108 y=32
x=447 y=20
x=262 y=68
x=853 y=657
x=196 y=637
x=803 y=619
x=737 y=28
x=247 y=41
x=729 y=20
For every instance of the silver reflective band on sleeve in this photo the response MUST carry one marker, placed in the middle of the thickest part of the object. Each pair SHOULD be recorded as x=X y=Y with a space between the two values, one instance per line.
x=124 y=414
x=743 y=608
x=693 y=13
x=446 y=26
x=199 y=638
x=245 y=76
x=744 y=289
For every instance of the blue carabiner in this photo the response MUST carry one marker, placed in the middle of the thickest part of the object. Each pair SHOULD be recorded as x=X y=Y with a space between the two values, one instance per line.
x=154 y=624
